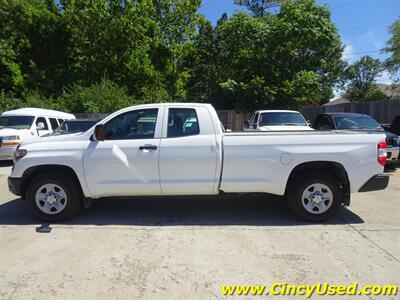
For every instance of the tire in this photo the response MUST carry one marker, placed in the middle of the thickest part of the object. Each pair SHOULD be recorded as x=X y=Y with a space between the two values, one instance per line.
x=54 y=197
x=322 y=196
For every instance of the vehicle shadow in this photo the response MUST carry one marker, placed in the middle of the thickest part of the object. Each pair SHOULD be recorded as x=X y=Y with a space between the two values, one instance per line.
x=391 y=168
x=227 y=210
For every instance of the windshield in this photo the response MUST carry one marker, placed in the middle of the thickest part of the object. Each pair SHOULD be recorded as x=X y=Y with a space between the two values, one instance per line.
x=357 y=123
x=74 y=127
x=16 y=122
x=282 y=118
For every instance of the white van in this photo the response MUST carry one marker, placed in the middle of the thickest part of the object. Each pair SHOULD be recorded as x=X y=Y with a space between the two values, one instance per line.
x=26 y=123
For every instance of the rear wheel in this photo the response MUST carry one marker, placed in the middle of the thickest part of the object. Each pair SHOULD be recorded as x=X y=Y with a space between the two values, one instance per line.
x=52 y=197
x=315 y=196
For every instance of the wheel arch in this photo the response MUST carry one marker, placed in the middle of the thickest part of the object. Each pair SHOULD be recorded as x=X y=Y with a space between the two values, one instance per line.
x=32 y=172
x=333 y=168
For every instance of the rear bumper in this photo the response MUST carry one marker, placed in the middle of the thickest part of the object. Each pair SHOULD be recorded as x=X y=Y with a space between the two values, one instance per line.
x=14 y=185
x=392 y=155
x=376 y=183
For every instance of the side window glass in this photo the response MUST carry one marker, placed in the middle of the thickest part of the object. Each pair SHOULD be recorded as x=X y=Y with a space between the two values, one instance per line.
x=136 y=124
x=251 y=119
x=53 y=123
x=42 y=120
x=255 y=120
x=60 y=121
x=324 y=123
x=182 y=122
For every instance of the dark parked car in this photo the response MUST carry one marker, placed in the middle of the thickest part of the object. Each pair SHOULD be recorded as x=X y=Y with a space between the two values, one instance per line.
x=393 y=127
x=74 y=126
x=358 y=122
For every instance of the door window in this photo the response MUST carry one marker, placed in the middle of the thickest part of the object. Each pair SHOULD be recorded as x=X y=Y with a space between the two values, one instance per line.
x=53 y=123
x=42 y=120
x=255 y=120
x=324 y=123
x=182 y=122
x=136 y=124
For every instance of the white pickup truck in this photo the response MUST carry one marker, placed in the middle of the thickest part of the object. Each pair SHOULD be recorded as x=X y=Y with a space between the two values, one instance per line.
x=182 y=149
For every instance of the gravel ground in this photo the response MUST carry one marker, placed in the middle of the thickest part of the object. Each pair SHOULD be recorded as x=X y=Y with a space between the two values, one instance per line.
x=185 y=248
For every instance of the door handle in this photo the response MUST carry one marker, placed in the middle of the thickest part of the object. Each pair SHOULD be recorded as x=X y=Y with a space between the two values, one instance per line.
x=148 y=147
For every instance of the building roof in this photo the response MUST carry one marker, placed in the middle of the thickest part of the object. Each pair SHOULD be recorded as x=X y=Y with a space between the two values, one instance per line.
x=276 y=110
x=338 y=101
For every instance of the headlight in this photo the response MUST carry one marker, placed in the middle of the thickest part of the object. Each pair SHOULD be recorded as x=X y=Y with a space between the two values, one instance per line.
x=19 y=153
x=11 y=138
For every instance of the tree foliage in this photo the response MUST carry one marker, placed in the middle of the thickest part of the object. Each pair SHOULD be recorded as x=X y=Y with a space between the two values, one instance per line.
x=259 y=8
x=280 y=60
x=100 y=55
x=393 y=46
x=361 y=77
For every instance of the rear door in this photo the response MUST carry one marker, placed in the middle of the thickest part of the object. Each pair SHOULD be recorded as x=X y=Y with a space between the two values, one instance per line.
x=188 y=155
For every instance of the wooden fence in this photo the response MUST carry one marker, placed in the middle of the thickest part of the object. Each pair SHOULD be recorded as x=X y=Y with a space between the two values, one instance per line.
x=382 y=111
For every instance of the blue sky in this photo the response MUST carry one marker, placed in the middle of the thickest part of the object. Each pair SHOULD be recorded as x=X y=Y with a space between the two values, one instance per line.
x=362 y=24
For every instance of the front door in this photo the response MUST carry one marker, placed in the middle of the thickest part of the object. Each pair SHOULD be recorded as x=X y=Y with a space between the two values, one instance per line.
x=42 y=127
x=126 y=162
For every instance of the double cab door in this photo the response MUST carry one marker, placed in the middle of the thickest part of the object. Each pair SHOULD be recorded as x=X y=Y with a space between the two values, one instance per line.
x=153 y=151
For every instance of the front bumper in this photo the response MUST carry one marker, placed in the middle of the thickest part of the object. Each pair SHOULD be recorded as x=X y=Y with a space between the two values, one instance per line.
x=376 y=183
x=15 y=185
x=392 y=155
x=7 y=153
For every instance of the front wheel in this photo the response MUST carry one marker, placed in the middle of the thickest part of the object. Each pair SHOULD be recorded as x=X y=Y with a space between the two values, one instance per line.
x=315 y=196
x=52 y=197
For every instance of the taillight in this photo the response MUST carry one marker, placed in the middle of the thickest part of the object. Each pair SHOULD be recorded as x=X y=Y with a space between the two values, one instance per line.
x=382 y=153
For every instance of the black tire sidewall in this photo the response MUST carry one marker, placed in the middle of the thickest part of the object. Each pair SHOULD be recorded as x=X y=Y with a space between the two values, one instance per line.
x=74 y=197
x=307 y=179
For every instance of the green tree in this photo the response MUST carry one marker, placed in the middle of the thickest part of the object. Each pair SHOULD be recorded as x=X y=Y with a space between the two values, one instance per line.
x=203 y=66
x=259 y=8
x=112 y=39
x=283 y=60
x=32 y=52
x=177 y=21
x=105 y=96
x=362 y=76
x=393 y=46
x=392 y=64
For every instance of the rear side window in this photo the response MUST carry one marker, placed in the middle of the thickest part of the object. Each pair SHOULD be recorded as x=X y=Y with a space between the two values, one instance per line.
x=53 y=123
x=182 y=122
x=42 y=120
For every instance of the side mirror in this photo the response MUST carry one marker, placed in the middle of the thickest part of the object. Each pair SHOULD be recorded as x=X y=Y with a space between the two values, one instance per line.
x=309 y=123
x=40 y=126
x=246 y=124
x=99 y=132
